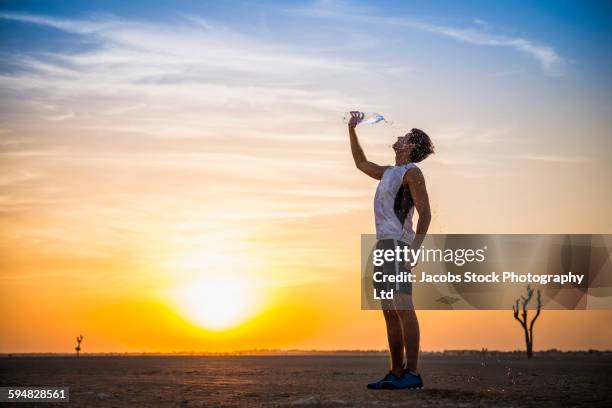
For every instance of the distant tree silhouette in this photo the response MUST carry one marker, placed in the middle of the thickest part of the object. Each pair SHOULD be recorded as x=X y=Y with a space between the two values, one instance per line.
x=522 y=319
x=79 y=339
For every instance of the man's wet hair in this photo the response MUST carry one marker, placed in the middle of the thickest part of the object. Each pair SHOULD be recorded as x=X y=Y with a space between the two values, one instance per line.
x=423 y=147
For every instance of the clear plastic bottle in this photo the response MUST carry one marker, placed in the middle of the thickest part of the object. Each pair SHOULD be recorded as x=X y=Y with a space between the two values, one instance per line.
x=369 y=118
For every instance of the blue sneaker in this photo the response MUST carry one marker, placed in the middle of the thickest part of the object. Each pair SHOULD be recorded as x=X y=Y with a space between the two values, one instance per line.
x=378 y=385
x=408 y=380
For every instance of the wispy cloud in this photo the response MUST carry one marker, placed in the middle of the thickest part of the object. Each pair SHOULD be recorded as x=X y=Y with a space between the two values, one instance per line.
x=183 y=70
x=546 y=56
x=194 y=42
x=558 y=159
x=71 y=26
x=58 y=118
x=481 y=23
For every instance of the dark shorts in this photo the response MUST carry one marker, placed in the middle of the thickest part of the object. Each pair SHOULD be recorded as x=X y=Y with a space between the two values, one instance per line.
x=392 y=268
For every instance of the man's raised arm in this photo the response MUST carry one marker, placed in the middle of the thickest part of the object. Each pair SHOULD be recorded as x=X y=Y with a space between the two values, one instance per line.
x=371 y=169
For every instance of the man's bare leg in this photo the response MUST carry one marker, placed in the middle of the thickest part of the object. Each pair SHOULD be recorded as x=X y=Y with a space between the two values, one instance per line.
x=411 y=338
x=395 y=338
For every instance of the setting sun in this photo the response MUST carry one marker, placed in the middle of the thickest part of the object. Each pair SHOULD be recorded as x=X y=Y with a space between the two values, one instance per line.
x=216 y=303
x=213 y=289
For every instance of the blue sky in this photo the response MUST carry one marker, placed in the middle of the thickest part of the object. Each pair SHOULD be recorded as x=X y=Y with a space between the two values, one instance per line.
x=568 y=26
x=561 y=37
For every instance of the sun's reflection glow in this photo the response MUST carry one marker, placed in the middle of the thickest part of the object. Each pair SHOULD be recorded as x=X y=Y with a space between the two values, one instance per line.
x=217 y=303
x=214 y=290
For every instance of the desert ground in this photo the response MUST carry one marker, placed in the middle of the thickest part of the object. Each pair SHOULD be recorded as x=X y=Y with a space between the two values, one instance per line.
x=324 y=380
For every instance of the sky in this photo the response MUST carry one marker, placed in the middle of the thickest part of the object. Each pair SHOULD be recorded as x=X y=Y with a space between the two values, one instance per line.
x=152 y=152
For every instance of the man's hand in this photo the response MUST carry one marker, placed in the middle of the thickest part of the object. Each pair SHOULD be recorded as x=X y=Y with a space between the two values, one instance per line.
x=371 y=169
x=356 y=118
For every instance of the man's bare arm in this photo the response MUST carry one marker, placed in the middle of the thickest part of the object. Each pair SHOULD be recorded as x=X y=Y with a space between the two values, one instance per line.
x=416 y=183
x=371 y=169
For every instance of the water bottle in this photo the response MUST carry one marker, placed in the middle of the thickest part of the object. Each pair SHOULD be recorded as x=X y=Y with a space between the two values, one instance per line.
x=369 y=118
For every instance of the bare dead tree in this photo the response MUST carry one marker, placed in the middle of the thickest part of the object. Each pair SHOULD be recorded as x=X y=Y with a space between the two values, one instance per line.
x=522 y=319
x=79 y=339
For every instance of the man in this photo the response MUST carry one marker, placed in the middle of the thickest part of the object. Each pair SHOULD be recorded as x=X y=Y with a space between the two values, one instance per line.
x=401 y=189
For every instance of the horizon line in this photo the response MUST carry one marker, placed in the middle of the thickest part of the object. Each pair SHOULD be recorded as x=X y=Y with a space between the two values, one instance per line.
x=271 y=352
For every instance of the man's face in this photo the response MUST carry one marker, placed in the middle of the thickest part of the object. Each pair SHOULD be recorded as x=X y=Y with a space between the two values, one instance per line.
x=403 y=144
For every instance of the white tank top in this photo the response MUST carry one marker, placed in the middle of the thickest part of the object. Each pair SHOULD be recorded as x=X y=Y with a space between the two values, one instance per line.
x=393 y=205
